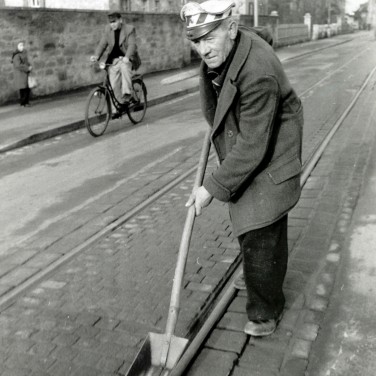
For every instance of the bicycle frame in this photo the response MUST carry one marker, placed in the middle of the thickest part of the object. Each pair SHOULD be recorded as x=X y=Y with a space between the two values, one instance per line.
x=121 y=107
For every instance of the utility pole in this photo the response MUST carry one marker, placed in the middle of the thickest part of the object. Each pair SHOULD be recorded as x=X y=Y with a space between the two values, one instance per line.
x=372 y=15
x=329 y=15
x=255 y=13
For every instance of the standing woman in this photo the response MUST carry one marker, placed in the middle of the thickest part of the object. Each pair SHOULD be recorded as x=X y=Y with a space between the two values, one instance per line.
x=22 y=68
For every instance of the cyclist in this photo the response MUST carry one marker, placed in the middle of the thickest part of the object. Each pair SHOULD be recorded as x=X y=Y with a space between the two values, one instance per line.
x=120 y=39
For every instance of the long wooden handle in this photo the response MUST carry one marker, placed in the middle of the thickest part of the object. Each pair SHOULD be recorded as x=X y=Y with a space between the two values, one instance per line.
x=184 y=247
x=185 y=241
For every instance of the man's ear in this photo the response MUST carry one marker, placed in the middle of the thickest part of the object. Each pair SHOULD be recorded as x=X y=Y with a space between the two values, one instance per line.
x=233 y=30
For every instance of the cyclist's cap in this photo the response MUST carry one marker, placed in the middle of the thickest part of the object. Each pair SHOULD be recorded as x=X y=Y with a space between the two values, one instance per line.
x=205 y=17
x=114 y=16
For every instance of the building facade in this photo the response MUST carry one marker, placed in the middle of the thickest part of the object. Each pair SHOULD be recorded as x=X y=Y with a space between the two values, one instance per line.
x=149 y=6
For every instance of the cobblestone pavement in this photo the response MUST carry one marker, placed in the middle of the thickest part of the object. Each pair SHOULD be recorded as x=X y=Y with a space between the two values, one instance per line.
x=318 y=229
x=91 y=315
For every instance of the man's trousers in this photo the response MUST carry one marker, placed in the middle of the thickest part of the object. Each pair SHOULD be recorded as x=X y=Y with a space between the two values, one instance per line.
x=120 y=75
x=265 y=253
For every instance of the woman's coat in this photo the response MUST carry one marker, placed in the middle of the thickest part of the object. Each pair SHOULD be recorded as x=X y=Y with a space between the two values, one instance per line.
x=257 y=134
x=21 y=69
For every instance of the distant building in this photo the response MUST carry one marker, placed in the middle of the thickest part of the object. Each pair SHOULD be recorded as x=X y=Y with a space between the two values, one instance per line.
x=361 y=16
x=151 y=6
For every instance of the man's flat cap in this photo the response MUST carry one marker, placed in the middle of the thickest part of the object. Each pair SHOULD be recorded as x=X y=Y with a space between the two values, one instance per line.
x=113 y=16
x=205 y=17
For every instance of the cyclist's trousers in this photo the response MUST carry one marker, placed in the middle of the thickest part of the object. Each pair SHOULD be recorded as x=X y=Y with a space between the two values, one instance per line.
x=120 y=75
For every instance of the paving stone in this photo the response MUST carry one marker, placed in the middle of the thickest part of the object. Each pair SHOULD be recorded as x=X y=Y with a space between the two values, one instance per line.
x=233 y=321
x=66 y=339
x=305 y=202
x=300 y=212
x=259 y=360
x=294 y=233
x=50 y=284
x=110 y=364
x=16 y=345
x=213 y=363
x=228 y=257
x=238 y=305
x=213 y=281
x=194 y=286
x=301 y=348
x=304 y=266
x=5 y=288
x=18 y=275
x=289 y=319
x=64 y=353
x=21 y=256
x=294 y=367
x=276 y=342
x=308 y=331
x=16 y=372
x=62 y=368
x=87 y=357
x=318 y=303
x=6 y=267
x=42 y=350
x=295 y=280
x=226 y=340
x=107 y=323
x=248 y=370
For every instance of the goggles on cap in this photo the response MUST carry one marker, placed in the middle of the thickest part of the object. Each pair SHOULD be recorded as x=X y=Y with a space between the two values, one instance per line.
x=205 y=17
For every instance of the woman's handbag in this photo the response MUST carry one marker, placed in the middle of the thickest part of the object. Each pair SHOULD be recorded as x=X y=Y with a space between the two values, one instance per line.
x=32 y=82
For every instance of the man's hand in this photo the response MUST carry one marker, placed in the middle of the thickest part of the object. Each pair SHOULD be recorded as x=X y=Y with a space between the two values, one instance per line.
x=93 y=58
x=200 y=198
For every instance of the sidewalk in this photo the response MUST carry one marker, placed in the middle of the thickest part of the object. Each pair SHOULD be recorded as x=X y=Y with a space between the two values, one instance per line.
x=49 y=117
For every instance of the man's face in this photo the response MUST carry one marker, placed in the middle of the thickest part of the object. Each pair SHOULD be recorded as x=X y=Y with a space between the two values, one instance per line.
x=115 y=24
x=20 y=46
x=215 y=46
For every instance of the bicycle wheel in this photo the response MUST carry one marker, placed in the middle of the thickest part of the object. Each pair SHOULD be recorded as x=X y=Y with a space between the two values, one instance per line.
x=98 y=111
x=136 y=111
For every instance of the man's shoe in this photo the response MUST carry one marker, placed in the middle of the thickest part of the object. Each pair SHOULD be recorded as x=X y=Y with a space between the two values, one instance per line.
x=261 y=328
x=116 y=115
x=239 y=283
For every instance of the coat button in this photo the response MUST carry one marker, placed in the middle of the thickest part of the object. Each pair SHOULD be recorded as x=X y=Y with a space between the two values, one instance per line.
x=230 y=133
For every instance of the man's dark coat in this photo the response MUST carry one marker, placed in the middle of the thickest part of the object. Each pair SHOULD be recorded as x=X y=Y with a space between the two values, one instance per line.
x=257 y=134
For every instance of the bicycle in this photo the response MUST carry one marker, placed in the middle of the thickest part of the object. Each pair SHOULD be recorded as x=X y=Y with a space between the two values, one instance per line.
x=98 y=109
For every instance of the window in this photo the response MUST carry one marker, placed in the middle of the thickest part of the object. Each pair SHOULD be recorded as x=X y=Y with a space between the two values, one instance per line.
x=35 y=3
x=126 y=5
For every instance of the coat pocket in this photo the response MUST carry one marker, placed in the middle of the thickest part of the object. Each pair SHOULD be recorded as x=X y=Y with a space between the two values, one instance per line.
x=285 y=170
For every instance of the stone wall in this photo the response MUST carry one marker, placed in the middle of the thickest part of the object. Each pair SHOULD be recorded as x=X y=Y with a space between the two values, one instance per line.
x=291 y=34
x=60 y=43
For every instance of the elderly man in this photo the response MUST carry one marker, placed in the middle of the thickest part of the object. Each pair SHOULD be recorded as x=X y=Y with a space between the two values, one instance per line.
x=121 y=40
x=256 y=120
